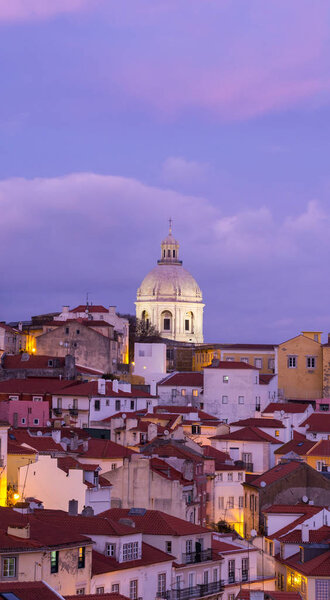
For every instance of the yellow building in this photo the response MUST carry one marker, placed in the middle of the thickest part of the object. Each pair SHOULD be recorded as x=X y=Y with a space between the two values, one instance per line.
x=300 y=366
x=318 y=456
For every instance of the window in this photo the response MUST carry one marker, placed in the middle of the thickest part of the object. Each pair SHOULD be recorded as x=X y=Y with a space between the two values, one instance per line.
x=239 y=476
x=292 y=362
x=23 y=421
x=59 y=403
x=169 y=253
x=132 y=404
x=240 y=399
x=81 y=557
x=224 y=399
x=107 y=402
x=245 y=359
x=186 y=324
x=50 y=363
x=195 y=393
x=113 y=466
x=130 y=551
x=319 y=465
x=115 y=587
x=225 y=379
x=67 y=330
x=230 y=476
x=173 y=253
x=322 y=589
x=133 y=589
x=97 y=404
x=54 y=561
x=117 y=405
x=35 y=421
x=258 y=363
x=277 y=433
x=271 y=363
x=258 y=403
x=80 y=591
x=195 y=429
x=231 y=571
x=206 y=577
x=100 y=590
x=183 y=392
x=167 y=324
x=324 y=407
x=310 y=362
x=221 y=502
x=230 y=501
x=220 y=477
x=110 y=549
x=230 y=359
x=161 y=583
x=37 y=399
x=245 y=569
x=9 y=566
x=29 y=411
x=241 y=502
x=215 y=575
x=168 y=547
x=189 y=546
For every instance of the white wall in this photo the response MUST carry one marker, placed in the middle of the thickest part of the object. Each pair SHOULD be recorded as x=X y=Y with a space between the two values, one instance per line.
x=150 y=361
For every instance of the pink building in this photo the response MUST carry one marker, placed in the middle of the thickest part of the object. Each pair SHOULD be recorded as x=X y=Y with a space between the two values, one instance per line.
x=24 y=413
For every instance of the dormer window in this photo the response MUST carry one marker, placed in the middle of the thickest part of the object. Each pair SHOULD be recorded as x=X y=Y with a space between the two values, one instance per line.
x=130 y=551
x=110 y=549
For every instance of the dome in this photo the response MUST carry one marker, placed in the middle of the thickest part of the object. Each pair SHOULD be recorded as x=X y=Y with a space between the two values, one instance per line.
x=169 y=282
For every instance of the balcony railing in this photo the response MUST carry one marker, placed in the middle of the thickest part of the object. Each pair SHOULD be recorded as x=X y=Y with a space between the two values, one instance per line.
x=57 y=411
x=198 y=591
x=73 y=412
x=245 y=574
x=231 y=577
x=197 y=557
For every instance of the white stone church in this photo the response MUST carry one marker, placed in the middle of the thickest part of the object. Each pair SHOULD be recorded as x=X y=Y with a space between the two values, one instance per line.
x=170 y=298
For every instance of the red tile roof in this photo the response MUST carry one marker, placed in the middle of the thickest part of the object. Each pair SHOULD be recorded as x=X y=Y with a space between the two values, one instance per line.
x=223 y=547
x=316 y=536
x=107 y=564
x=90 y=389
x=188 y=379
x=97 y=525
x=270 y=595
x=42 y=443
x=8 y=328
x=319 y=566
x=265 y=378
x=34 y=361
x=14 y=448
x=184 y=410
x=98 y=448
x=318 y=423
x=28 y=590
x=91 y=308
x=299 y=447
x=288 y=407
x=219 y=457
x=156 y=522
x=321 y=448
x=295 y=509
x=259 y=422
x=247 y=434
x=231 y=364
x=68 y=462
x=167 y=471
x=277 y=472
x=107 y=596
x=41 y=385
x=171 y=449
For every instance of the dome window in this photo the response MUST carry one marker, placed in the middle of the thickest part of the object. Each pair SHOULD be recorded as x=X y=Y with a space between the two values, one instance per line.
x=167 y=320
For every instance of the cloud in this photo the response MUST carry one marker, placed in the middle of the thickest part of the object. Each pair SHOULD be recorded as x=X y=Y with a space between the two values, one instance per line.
x=22 y=10
x=63 y=236
x=178 y=170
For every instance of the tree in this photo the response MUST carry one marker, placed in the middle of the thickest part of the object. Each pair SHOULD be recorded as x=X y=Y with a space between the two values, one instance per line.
x=140 y=331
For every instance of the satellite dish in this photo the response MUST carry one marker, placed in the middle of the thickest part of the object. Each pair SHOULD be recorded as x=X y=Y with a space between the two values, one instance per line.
x=166 y=432
x=263 y=484
x=305 y=499
x=39 y=433
x=48 y=423
x=61 y=343
x=253 y=532
x=124 y=415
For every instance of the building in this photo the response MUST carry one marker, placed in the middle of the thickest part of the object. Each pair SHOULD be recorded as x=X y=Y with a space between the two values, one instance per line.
x=170 y=299
x=11 y=339
x=300 y=366
x=235 y=390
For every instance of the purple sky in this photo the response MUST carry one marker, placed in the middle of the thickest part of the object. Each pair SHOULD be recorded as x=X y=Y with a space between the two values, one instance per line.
x=116 y=115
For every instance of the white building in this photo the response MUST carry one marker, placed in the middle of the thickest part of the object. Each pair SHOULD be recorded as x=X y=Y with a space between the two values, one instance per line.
x=181 y=388
x=150 y=361
x=234 y=390
x=170 y=299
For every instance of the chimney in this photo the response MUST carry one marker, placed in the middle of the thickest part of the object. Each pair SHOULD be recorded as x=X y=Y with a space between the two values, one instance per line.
x=112 y=311
x=257 y=595
x=20 y=532
x=305 y=533
x=115 y=385
x=87 y=511
x=101 y=386
x=65 y=309
x=85 y=446
x=153 y=388
x=73 y=507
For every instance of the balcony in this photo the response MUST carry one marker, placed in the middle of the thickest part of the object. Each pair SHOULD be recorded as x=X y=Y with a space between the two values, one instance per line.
x=231 y=577
x=198 y=591
x=245 y=575
x=73 y=412
x=248 y=466
x=57 y=411
x=197 y=557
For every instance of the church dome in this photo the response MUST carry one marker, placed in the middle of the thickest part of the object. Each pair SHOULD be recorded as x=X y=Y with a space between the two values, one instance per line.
x=169 y=282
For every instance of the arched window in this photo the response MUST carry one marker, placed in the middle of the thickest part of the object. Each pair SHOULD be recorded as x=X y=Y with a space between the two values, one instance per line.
x=189 y=322
x=166 y=320
x=169 y=253
x=145 y=318
x=173 y=253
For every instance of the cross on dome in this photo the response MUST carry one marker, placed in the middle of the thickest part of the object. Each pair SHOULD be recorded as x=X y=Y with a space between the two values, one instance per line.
x=170 y=248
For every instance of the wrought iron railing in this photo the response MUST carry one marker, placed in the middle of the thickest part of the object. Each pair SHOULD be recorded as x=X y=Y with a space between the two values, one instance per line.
x=197 y=556
x=198 y=591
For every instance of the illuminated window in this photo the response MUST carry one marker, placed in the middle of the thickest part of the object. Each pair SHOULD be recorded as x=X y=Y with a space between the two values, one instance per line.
x=183 y=392
x=225 y=379
x=277 y=433
x=81 y=557
x=195 y=393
